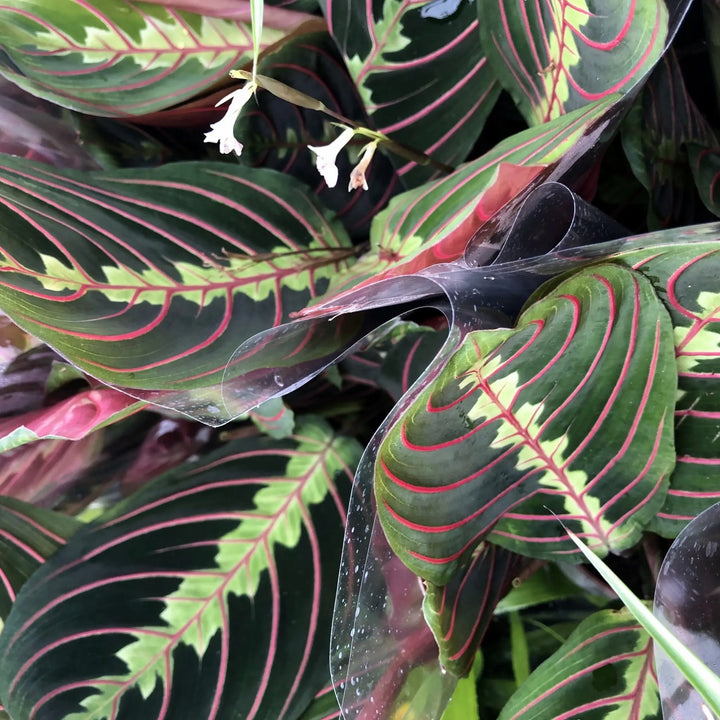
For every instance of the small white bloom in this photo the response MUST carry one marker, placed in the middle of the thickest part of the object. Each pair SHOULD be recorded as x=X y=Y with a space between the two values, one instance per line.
x=327 y=155
x=357 y=176
x=222 y=131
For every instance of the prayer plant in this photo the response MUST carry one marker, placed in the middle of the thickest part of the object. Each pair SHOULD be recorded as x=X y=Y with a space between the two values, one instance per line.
x=395 y=290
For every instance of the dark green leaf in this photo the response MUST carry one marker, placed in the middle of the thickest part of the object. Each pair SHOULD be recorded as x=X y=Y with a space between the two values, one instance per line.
x=424 y=81
x=686 y=278
x=206 y=595
x=28 y=537
x=661 y=122
x=557 y=57
x=276 y=134
x=117 y=58
x=525 y=424
x=604 y=670
x=459 y=613
x=434 y=222
x=705 y=166
x=177 y=265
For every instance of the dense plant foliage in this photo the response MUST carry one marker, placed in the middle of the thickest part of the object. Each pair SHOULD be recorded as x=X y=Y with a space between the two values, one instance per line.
x=399 y=289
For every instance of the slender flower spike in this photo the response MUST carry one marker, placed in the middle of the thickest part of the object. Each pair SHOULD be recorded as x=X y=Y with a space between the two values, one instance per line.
x=357 y=176
x=222 y=132
x=327 y=156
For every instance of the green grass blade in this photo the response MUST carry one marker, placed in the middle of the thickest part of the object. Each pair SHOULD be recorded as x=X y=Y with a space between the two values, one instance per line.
x=256 y=17
x=695 y=671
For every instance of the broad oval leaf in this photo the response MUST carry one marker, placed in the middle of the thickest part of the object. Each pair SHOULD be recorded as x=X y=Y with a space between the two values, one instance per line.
x=120 y=58
x=558 y=56
x=183 y=600
x=425 y=81
x=28 y=537
x=603 y=670
x=175 y=265
x=526 y=425
x=685 y=278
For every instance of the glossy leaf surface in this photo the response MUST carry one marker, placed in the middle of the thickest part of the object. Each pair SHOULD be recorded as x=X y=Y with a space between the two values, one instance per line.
x=28 y=537
x=158 y=602
x=70 y=419
x=524 y=423
x=391 y=46
x=684 y=277
x=179 y=264
x=554 y=57
x=120 y=58
x=39 y=472
x=604 y=670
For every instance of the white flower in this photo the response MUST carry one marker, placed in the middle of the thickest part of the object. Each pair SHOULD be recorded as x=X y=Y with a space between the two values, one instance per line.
x=327 y=155
x=223 y=130
x=357 y=176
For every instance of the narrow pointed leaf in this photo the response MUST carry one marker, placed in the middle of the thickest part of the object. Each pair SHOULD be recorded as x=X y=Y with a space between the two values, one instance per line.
x=207 y=594
x=524 y=423
x=179 y=264
x=391 y=47
x=28 y=537
x=663 y=120
x=604 y=670
x=682 y=277
x=459 y=613
x=684 y=606
x=553 y=57
x=705 y=681
x=117 y=58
